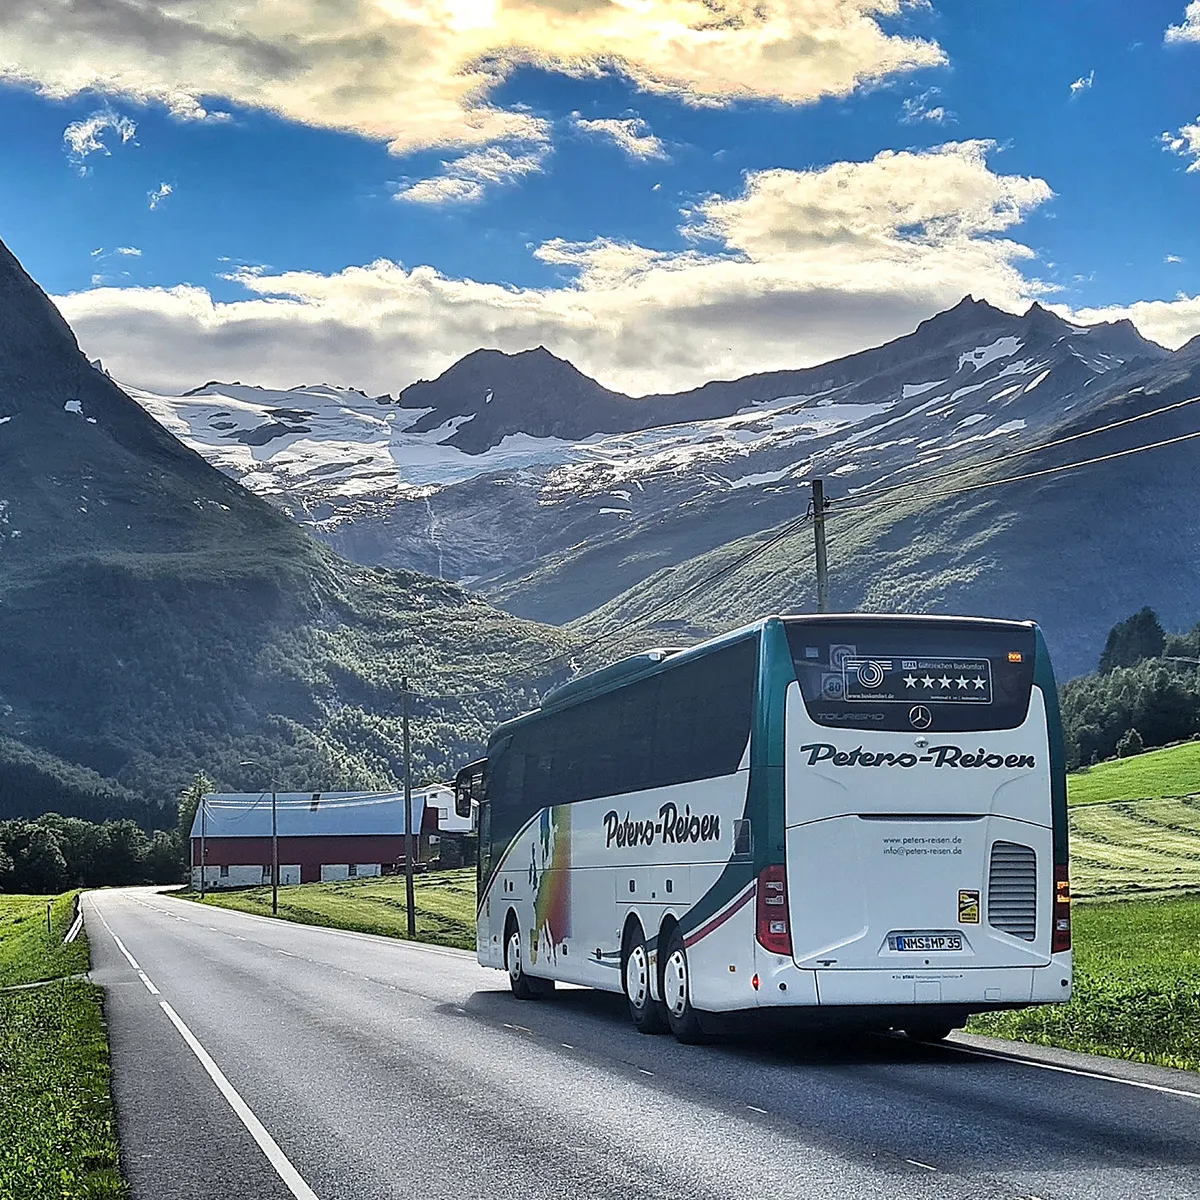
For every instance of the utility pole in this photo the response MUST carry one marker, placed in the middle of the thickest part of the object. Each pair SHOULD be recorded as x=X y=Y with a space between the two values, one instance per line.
x=818 y=506
x=274 y=854
x=203 y=848
x=408 y=816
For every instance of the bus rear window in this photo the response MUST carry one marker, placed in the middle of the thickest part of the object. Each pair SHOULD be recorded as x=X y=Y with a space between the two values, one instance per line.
x=913 y=674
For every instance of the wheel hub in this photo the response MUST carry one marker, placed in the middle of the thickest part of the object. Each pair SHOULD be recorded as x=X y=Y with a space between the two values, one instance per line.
x=675 y=983
x=637 y=977
x=514 y=956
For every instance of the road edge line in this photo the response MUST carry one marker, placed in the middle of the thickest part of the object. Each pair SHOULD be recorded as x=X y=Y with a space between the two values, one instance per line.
x=266 y=1143
x=1024 y=1061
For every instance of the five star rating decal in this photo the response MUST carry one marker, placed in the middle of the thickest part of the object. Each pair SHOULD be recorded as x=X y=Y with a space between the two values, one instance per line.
x=870 y=679
x=979 y=682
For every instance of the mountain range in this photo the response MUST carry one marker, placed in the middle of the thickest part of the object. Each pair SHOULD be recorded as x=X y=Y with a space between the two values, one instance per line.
x=157 y=619
x=562 y=501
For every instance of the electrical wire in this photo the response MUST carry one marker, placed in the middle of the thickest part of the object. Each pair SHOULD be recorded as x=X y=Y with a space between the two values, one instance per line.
x=1003 y=458
x=1087 y=462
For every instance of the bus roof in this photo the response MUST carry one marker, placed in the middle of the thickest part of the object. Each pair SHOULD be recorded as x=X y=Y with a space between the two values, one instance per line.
x=649 y=662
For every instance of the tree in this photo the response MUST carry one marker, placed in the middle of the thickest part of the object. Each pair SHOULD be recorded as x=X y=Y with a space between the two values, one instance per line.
x=1130 y=743
x=189 y=802
x=162 y=863
x=37 y=862
x=1132 y=640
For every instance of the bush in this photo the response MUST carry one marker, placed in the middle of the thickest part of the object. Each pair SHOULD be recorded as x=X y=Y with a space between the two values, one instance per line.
x=1130 y=743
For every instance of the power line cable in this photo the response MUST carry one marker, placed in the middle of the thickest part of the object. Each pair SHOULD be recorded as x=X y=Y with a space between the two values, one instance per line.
x=1003 y=458
x=1087 y=462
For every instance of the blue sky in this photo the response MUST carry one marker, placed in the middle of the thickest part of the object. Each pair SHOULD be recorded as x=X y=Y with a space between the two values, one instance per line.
x=682 y=245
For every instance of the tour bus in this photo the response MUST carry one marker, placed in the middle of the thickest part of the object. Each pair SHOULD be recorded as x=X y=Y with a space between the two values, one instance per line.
x=860 y=819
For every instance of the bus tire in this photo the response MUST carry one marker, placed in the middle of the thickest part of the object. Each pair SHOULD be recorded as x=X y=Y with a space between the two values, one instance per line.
x=681 y=1016
x=648 y=1015
x=524 y=987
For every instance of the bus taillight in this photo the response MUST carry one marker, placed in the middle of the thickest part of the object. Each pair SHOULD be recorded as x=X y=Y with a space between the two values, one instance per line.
x=1061 y=939
x=774 y=932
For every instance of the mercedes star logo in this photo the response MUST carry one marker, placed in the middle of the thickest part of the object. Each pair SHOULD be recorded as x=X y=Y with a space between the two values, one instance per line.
x=920 y=717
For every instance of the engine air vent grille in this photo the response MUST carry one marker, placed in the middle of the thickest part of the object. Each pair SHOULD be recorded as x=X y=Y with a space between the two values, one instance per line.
x=1012 y=890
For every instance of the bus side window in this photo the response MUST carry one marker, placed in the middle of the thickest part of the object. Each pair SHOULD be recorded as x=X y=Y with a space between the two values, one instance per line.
x=743 y=841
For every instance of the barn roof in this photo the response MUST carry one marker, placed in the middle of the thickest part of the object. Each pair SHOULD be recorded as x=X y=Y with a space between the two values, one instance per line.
x=308 y=814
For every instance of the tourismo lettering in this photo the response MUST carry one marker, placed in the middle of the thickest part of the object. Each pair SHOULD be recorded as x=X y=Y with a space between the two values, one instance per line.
x=672 y=826
x=935 y=756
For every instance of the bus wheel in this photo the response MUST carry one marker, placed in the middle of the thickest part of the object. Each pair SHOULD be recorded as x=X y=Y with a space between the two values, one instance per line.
x=649 y=1015
x=930 y=1033
x=681 y=1016
x=524 y=987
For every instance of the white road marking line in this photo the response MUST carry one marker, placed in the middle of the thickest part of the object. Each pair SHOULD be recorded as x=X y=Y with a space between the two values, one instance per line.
x=121 y=947
x=266 y=1143
x=1030 y=1062
x=923 y=1166
x=149 y=986
x=752 y=1108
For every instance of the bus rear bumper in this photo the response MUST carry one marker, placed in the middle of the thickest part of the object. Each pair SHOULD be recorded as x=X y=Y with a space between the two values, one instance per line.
x=978 y=989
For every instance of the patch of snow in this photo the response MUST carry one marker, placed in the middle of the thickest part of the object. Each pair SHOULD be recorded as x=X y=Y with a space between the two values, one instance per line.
x=973 y=419
x=911 y=390
x=1038 y=381
x=761 y=477
x=74 y=406
x=90 y=420
x=5 y=420
x=1002 y=347
x=1007 y=427
x=620 y=512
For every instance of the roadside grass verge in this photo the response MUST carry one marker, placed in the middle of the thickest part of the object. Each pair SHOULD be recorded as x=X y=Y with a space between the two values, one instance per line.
x=1171 y=771
x=1137 y=987
x=444 y=903
x=57 y=1137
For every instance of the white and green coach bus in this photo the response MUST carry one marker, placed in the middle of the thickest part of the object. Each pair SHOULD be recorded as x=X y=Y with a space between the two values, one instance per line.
x=862 y=819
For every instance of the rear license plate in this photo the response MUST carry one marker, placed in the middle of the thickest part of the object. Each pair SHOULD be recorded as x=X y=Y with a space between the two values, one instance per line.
x=922 y=941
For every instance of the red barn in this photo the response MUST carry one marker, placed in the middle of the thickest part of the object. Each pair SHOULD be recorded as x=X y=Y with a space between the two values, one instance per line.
x=321 y=836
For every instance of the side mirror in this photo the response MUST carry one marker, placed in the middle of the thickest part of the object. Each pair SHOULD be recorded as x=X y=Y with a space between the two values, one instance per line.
x=462 y=800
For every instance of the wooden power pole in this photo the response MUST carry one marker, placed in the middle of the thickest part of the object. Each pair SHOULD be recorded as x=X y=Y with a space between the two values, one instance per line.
x=408 y=818
x=818 y=505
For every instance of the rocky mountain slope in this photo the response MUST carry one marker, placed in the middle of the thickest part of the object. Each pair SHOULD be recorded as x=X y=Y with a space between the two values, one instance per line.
x=157 y=619
x=520 y=476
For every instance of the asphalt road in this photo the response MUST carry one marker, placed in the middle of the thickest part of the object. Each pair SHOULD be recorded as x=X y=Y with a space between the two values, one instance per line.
x=276 y=1060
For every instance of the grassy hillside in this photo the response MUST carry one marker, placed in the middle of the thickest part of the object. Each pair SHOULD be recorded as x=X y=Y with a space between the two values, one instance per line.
x=1043 y=551
x=57 y=1134
x=1172 y=771
x=157 y=619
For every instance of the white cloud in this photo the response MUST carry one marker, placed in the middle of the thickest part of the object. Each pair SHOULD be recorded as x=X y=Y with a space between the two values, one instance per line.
x=1170 y=323
x=85 y=137
x=1185 y=143
x=159 y=194
x=799 y=267
x=631 y=134
x=128 y=251
x=1172 y=258
x=1189 y=31
x=1083 y=83
x=185 y=107
x=923 y=108
x=420 y=73
x=466 y=179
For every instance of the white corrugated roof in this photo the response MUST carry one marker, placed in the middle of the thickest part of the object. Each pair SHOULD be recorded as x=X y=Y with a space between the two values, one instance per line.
x=308 y=814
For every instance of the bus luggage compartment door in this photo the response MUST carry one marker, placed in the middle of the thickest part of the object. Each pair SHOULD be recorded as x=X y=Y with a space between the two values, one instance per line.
x=893 y=893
